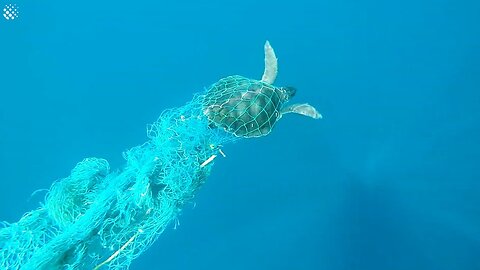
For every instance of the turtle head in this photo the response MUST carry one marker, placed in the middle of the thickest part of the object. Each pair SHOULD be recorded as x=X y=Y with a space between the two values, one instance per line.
x=286 y=93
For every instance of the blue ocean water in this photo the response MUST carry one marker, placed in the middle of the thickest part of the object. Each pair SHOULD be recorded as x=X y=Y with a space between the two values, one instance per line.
x=389 y=179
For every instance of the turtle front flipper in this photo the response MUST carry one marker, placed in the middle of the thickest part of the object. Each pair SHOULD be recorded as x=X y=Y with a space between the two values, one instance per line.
x=271 y=64
x=303 y=109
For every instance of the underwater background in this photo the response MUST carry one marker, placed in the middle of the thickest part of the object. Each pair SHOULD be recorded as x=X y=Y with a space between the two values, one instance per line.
x=389 y=179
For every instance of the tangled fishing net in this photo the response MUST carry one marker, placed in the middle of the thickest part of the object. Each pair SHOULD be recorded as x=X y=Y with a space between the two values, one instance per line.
x=97 y=218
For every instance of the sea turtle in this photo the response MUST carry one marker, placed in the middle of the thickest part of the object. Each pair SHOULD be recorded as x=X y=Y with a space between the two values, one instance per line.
x=250 y=108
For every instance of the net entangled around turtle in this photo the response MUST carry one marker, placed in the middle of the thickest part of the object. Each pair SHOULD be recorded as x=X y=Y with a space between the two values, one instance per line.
x=250 y=108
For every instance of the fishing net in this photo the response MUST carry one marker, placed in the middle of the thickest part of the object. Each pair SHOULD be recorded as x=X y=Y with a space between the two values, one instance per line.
x=97 y=218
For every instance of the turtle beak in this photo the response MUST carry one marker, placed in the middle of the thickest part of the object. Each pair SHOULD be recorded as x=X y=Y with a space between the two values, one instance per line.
x=289 y=92
x=292 y=91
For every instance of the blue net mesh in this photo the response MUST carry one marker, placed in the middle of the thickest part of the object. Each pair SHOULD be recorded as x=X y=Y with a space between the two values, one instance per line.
x=99 y=219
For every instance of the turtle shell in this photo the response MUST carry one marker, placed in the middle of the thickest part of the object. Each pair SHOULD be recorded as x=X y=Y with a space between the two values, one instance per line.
x=244 y=107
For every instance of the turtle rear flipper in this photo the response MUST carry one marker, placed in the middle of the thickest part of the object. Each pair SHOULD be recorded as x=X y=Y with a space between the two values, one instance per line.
x=303 y=109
